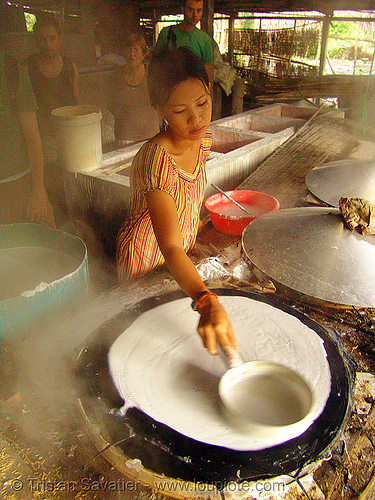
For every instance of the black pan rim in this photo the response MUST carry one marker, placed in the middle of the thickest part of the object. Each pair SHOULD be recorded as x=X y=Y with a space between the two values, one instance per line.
x=210 y=463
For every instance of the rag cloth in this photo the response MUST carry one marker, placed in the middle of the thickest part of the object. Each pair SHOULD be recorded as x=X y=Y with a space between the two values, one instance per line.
x=358 y=213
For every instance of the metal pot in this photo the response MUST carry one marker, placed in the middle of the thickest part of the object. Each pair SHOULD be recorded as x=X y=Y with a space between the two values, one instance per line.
x=266 y=398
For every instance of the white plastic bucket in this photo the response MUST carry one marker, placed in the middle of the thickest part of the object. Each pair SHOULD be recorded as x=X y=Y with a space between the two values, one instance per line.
x=79 y=137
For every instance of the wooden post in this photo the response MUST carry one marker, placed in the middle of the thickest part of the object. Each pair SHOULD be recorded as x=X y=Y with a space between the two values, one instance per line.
x=291 y=47
x=62 y=16
x=231 y=39
x=238 y=91
x=259 y=50
x=324 y=44
x=155 y=19
x=88 y=29
x=356 y=49
x=207 y=22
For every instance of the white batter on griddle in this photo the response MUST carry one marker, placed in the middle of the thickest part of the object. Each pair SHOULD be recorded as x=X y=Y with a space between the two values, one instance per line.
x=159 y=365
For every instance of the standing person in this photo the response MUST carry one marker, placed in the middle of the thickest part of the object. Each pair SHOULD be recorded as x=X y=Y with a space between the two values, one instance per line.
x=22 y=193
x=135 y=118
x=54 y=79
x=168 y=181
x=186 y=34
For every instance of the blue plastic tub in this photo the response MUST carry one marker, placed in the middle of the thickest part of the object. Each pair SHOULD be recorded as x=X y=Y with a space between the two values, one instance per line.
x=40 y=268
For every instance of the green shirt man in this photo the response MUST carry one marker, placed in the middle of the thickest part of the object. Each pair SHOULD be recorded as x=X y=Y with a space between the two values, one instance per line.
x=188 y=35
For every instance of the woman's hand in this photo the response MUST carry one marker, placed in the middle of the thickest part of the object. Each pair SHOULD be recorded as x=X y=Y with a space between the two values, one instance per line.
x=214 y=326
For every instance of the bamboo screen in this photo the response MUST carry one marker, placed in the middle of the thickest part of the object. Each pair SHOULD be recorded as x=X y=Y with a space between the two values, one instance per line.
x=276 y=53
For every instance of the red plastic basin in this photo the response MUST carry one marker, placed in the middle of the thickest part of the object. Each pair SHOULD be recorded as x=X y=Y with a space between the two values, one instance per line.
x=228 y=218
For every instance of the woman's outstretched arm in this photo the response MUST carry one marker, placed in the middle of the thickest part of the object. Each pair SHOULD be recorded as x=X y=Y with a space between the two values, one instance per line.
x=214 y=325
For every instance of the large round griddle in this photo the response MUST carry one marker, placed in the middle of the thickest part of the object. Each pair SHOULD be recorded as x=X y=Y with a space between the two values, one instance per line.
x=158 y=365
x=162 y=450
x=343 y=178
x=309 y=250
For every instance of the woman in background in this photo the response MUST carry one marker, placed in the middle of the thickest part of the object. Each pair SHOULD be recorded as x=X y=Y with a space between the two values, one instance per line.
x=135 y=119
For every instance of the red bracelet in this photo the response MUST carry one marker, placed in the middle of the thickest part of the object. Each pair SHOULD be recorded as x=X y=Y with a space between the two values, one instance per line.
x=197 y=300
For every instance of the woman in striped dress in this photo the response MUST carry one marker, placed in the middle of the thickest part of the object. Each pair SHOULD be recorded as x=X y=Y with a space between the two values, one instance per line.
x=167 y=181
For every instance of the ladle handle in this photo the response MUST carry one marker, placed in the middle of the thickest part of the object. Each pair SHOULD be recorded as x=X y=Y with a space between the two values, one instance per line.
x=236 y=359
x=231 y=199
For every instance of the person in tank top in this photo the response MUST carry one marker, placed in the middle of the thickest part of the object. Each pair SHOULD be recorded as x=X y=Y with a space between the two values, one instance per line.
x=135 y=118
x=54 y=79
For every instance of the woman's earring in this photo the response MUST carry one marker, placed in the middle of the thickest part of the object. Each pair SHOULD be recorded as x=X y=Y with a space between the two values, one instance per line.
x=165 y=124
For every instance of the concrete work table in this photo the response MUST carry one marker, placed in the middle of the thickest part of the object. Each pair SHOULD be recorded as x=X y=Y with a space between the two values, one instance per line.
x=240 y=143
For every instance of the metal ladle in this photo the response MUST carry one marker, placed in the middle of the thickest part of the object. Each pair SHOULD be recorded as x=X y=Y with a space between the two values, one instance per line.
x=232 y=200
x=266 y=398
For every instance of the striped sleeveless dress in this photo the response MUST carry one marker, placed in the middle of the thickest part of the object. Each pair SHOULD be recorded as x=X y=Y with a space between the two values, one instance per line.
x=153 y=167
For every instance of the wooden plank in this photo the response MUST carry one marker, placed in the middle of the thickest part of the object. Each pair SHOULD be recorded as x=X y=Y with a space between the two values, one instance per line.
x=282 y=174
x=369 y=492
x=324 y=44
